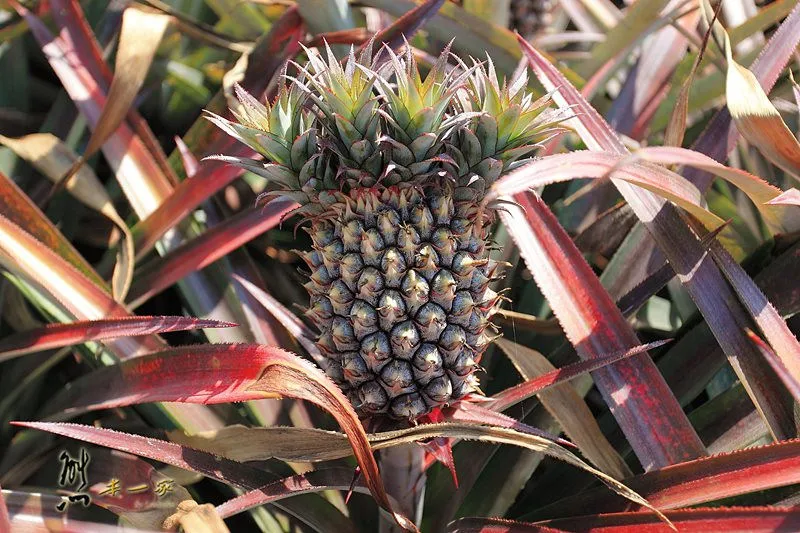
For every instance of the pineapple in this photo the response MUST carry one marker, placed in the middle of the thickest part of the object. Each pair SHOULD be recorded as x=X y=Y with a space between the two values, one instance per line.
x=391 y=170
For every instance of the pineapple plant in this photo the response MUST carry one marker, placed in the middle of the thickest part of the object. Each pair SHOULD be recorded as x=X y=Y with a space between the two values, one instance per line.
x=398 y=170
x=391 y=168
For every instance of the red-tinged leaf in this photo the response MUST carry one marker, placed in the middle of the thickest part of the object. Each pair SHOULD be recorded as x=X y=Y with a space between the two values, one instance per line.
x=694 y=267
x=60 y=335
x=215 y=467
x=267 y=57
x=317 y=481
x=759 y=191
x=658 y=430
x=22 y=253
x=772 y=325
x=685 y=520
x=349 y=36
x=192 y=375
x=699 y=481
x=585 y=164
x=645 y=85
x=288 y=320
x=441 y=449
x=186 y=197
x=20 y=210
x=407 y=25
x=719 y=138
x=190 y=163
x=79 y=296
x=513 y=395
x=139 y=175
x=203 y=250
x=790 y=197
x=777 y=365
x=5 y=520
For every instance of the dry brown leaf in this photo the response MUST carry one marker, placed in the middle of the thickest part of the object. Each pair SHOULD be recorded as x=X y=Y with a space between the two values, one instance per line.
x=676 y=128
x=569 y=409
x=139 y=38
x=756 y=118
x=53 y=159
x=202 y=519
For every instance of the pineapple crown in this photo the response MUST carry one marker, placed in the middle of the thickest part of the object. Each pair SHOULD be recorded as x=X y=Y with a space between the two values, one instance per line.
x=376 y=121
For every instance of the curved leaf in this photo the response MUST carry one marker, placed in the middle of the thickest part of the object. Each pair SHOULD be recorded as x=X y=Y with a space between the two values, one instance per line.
x=194 y=374
x=240 y=475
x=761 y=193
x=690 y=261
x=658 y=430
x=573 y=165
x=54 y=159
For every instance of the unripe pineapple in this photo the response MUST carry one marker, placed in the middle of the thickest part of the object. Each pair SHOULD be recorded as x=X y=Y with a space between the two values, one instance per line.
x=391 y=170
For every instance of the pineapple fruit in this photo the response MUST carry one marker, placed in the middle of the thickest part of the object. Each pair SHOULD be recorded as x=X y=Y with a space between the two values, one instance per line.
x=391 y=168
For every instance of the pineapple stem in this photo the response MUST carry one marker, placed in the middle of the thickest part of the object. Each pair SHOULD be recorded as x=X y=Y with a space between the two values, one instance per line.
x=402 y=469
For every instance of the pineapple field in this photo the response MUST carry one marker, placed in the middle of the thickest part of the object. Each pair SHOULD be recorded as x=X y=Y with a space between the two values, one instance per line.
x=440 y=266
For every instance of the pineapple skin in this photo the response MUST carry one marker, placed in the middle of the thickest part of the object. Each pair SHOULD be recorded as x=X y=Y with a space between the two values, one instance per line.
x=400 y=291
x=391 y=170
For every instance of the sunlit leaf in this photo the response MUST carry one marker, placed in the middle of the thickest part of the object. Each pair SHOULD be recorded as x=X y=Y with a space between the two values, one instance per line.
x=694 y=268
x=138 y=41
x=759 y=191
x=54 y=160
x=756 y=118
x=790 y=197
x=789 y=380
x=596 y=327
x=24 y=213
x=562 y=167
